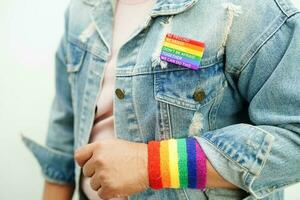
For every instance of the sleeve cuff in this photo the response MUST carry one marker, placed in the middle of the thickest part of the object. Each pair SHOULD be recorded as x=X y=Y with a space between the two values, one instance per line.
x=237 y=155
x=57 y=167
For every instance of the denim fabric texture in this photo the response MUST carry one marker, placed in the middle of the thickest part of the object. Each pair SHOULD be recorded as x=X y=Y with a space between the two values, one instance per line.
x=248 y=121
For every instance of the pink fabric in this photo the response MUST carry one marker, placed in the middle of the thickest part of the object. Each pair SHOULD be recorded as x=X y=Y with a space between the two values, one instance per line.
x=128 y=16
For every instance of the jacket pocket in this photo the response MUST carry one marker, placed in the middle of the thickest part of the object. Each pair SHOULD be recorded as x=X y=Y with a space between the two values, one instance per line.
x=187 y=88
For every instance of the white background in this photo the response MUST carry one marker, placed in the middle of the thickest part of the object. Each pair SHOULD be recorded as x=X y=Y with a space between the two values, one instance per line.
x=29 y=35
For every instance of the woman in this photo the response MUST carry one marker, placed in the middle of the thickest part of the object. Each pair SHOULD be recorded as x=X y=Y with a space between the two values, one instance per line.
x=214 y=83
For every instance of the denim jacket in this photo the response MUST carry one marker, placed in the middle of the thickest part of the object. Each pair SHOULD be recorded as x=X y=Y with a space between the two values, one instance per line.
x=246 y=114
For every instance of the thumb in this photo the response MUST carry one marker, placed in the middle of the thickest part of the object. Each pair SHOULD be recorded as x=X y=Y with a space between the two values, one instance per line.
x=84 y=153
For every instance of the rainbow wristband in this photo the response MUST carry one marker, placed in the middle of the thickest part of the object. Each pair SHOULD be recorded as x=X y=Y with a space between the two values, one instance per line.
x=176 y=163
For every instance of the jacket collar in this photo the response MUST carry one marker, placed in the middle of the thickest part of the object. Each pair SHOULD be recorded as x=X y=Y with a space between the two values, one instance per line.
x=103 y=11
x=161 y=7
x=171 y=7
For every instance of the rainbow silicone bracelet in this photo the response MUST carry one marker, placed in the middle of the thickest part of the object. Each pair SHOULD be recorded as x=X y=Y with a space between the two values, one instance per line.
x=176 y=163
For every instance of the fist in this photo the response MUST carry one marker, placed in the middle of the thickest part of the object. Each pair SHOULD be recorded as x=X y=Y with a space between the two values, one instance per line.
x=118 y=168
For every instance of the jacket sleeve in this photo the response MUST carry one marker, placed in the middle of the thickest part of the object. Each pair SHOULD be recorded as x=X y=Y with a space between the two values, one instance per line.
x=56 y=158
x=264 y=156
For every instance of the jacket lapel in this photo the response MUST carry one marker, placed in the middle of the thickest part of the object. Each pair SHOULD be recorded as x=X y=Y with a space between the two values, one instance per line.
x=102 y=14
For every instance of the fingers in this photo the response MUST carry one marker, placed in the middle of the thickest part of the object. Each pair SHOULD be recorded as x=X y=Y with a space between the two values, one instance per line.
x=83 y=154
x=95 y=182
x=107 y=194
x=104 y=194
x=88 y=168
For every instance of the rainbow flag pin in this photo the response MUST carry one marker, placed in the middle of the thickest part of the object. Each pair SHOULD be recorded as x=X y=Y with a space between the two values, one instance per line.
x=182 y=51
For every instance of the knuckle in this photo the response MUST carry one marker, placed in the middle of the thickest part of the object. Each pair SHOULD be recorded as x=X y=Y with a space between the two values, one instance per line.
x=99 y=161
x=98 y=144
x=93 y=184
x=101 y=194
x=102 y=176
x=105 y=193
x=85 y=171
x=105 y=197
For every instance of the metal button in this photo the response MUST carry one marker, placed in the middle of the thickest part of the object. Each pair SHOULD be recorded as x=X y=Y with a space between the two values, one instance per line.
x=120 y=93
x=199 y=95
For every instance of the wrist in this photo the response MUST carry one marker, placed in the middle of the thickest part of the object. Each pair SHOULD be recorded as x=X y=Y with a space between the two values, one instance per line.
x=57 y=191
x=144 y=163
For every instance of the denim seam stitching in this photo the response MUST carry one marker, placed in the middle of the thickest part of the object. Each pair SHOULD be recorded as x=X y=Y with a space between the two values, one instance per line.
x=169 y=120
x=185 y=194
x=50 y=178
x=285 y=9
x=132 y=86
x=266 y=155
x=187 y=105
x=217 y=103
x=276 y=187
x=243 y=186
x=140 y=71
x=87 y=47
x=224 y=154
x=257 y=45
x=227 y=156
x=135 y=112
x=168 y=11
x=264 y=38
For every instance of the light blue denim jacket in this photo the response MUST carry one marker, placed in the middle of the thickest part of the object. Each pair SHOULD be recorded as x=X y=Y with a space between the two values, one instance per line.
x=247 y=118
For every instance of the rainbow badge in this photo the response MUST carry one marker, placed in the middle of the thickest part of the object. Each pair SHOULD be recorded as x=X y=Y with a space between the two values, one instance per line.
x=182 y=51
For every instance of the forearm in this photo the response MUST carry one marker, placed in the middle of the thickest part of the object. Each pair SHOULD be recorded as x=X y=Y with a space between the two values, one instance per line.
x=57 y=192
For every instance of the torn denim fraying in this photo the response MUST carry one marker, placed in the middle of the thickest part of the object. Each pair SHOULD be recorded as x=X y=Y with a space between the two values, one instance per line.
x=196 y=125
x=232 y=11
x=156 y=61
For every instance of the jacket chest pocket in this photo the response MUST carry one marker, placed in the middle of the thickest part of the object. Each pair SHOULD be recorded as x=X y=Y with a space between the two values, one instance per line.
x=189 y=89
x=185 y=92
x=75 y=58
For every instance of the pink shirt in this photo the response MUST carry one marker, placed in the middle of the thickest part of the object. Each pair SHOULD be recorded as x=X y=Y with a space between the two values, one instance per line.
x=128 y=16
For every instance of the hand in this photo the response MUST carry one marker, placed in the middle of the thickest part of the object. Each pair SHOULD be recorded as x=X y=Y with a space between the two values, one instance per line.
x=118 y=168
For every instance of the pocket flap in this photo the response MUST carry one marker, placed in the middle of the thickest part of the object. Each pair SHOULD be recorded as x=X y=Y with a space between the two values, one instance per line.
x=75 y=57
x=181 y=87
